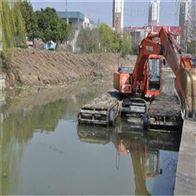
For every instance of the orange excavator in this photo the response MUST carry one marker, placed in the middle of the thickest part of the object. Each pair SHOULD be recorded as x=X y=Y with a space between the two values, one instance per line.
x=139 y=90
x=145 y=81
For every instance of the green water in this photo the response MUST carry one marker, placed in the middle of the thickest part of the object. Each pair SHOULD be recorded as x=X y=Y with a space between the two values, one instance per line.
x=44 y=151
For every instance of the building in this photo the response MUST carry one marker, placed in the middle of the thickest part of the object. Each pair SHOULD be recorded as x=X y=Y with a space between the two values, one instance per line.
x=154 y=13
x=184 y=12
x=78 y=21
x=118 y=15
x=139 y=33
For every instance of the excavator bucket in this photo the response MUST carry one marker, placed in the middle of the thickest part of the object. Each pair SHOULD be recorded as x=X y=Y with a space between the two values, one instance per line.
x=187 y=78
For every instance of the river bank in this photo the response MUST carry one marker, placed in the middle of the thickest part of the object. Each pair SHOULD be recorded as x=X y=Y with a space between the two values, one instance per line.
x=29 y=67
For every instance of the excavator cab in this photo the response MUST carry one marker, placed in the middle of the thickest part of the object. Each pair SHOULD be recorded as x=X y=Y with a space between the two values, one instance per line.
x=153 y=84
x=122 y=80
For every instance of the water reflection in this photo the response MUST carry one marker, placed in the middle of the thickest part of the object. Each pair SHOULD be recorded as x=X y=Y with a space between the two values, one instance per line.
x=42 y=123
x=143 y=147
x=17 y=130
x=26 y=112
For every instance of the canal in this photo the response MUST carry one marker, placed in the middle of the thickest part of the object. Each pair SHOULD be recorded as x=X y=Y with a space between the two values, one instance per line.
x=44 y=151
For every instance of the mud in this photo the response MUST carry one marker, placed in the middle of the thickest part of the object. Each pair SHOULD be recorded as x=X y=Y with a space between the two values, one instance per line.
x=29 y=67
x=165 y=105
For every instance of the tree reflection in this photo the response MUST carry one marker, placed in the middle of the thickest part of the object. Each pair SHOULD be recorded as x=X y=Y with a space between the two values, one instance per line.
x=26 y=113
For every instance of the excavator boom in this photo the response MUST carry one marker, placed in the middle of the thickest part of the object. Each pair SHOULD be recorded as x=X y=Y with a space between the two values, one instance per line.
x=184 y=70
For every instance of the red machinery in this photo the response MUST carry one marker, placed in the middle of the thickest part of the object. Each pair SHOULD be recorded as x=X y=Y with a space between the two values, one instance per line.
x=145 y=80
x=141 y=88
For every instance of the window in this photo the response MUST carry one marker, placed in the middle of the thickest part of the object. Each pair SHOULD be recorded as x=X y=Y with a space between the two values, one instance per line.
x=154 y=69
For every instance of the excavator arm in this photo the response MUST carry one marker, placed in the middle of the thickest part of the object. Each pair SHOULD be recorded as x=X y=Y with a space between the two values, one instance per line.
x=183 y=69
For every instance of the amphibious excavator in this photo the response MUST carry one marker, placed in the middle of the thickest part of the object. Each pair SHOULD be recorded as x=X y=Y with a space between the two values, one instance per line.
x=139 y=90
x=146 y=81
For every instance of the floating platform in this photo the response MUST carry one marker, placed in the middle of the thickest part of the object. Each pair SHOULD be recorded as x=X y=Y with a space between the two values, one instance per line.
x=162 y=113
x=165 y=113
x=102 y=110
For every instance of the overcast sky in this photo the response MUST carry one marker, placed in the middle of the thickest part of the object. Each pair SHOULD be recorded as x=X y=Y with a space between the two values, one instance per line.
x=135 y=13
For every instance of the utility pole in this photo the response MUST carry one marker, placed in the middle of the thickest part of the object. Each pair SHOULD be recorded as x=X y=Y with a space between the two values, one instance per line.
x=66 y=9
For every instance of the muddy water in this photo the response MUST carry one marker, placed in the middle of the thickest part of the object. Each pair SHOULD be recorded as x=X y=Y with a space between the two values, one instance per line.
x=43 y=151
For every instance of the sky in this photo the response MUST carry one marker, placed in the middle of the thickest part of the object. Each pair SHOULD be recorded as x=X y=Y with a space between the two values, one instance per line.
x=135 y=12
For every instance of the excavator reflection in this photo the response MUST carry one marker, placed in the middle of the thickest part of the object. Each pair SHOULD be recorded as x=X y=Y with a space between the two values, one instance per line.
x=144 y=149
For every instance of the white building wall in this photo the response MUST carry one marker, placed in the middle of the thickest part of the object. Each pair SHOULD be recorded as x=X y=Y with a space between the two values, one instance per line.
x=87 y=23
x=154 y=15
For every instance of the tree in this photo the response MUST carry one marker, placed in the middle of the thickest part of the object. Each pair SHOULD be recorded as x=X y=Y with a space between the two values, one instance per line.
x=29 y=19
x=116 y=43
x=126 y=44
x=88 y=40
x=19 y=24
x=7 y=25
x=104 y=39
x=107 y=37
x=50 y=26
x=111 y=41
x=64 y=31
x=13 y=28
x=191 y=37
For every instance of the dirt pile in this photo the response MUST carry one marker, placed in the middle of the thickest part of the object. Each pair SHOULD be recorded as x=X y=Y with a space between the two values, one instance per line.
x=31 y=67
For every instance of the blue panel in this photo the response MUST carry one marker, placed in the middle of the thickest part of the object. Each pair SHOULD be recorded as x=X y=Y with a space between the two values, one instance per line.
x=71 y=15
